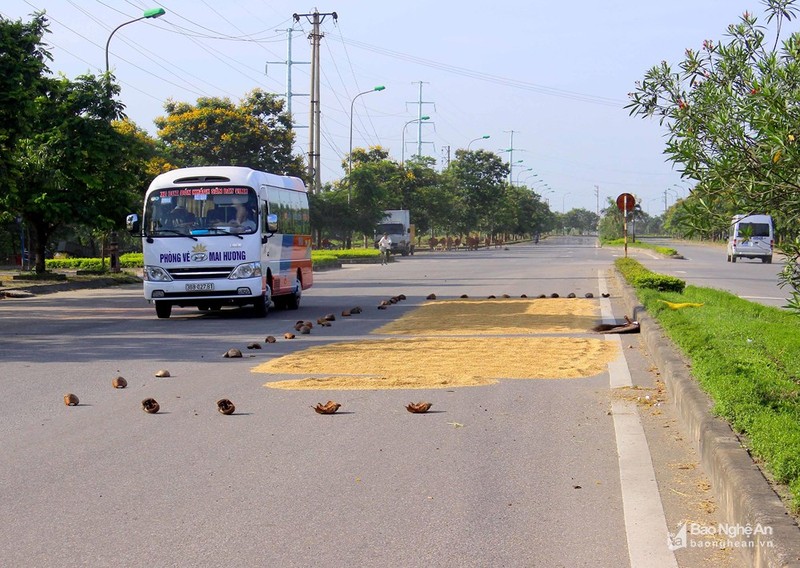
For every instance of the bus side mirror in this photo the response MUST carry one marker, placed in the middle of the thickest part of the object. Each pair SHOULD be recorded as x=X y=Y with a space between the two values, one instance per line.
x=132 y=223
x=272 y=226
x=272 y=223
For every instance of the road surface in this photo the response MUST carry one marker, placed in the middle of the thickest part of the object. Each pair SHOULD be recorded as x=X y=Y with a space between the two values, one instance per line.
x=553 y=472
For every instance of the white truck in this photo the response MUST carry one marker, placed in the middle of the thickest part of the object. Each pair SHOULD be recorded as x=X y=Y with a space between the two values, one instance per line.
x=397 y=224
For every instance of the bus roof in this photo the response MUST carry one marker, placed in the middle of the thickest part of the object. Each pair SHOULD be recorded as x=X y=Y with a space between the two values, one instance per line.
x=236 y=175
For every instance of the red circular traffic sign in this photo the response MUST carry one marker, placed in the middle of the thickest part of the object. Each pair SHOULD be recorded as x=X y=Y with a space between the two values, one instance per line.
x=625 y=201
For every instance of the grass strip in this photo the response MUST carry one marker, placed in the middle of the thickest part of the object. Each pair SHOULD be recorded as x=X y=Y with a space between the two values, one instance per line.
x=744 y=355
x=666 y=251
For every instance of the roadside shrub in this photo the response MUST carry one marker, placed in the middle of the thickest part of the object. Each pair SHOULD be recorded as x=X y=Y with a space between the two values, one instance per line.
x=131 y=260
x=640 y=277
x=93 y=264
x=660 y=282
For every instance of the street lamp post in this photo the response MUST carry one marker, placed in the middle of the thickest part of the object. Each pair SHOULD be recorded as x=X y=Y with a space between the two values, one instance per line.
x=522 y=172
x=525 y=181
x=403 y=138
x=665 y=198
x=353 y=102
x=350 y=155
x=484 y=137
x=682 y=188
x=564 y=202
x=113 y=250
x=153 y=13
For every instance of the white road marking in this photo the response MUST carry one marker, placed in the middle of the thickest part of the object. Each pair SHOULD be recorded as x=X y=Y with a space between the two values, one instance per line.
x=645 y=524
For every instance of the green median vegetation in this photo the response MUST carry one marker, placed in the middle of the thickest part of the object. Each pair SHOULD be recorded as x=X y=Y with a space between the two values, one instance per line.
x=136 y=260
x=666 y=251
x=744 y=355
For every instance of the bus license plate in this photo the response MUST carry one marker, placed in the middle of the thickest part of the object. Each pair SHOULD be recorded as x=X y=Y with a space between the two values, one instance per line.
x=203 y=287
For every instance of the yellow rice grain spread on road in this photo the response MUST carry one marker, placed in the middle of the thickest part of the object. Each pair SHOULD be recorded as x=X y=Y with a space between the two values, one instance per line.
x=496 y=316
x=440 y=363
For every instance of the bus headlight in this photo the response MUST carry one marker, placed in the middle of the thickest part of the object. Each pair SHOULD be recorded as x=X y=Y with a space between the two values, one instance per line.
x=248 y=270
x=156 y=274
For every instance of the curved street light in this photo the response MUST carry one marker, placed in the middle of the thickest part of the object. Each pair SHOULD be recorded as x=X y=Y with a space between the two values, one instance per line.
x=353 y=102
x=350 y=154
x=403 y=149
x=525 y=181
x=519 y=174
x=484 y=137
x=148 y=14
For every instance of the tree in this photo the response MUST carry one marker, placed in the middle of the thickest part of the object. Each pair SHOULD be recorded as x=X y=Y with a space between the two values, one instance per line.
x=422 y=193
x=582 y=220
x=477 y=179
x=257 y=133
x=75 y=167
x=732 y=111
x=64 y=162
x=23 y=64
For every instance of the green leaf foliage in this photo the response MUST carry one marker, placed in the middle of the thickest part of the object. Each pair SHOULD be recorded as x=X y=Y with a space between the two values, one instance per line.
x=255 y=133
x=732 y=117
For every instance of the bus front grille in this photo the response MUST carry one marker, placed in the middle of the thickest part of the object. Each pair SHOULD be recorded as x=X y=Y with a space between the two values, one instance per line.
x=205 y=273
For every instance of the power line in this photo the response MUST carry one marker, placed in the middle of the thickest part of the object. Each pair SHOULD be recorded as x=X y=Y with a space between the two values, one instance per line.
x=496 y=79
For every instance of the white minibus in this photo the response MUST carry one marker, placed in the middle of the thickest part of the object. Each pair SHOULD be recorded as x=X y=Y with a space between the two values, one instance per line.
x=223 y=235
x=751 y=236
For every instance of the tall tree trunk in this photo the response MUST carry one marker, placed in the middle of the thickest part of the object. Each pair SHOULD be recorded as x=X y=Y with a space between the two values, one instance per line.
x=41 y=234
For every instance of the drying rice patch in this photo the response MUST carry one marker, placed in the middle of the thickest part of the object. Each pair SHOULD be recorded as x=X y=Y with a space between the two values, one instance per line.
x=436 y=363
x=496 y=317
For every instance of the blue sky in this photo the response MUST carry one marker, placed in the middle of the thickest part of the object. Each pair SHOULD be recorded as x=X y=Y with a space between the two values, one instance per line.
x=555 y=73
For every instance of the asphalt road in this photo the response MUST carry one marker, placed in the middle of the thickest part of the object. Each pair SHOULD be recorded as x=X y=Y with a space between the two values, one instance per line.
x=520 y=473
x=704 y=264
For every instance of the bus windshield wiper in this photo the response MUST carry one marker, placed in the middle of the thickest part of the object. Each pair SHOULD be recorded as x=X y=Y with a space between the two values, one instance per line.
x=174 y=232
x=223 y=231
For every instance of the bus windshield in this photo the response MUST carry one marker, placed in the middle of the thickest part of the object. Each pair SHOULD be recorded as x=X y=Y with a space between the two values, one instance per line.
x=212 y=210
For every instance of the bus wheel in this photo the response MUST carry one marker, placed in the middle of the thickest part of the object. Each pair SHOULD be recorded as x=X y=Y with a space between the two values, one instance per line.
x=766 y=259
x=163 y=309
x=261 y=306
x=293 y=299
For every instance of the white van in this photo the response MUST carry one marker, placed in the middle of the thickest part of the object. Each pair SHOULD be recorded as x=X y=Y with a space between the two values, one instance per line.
x=751 y=236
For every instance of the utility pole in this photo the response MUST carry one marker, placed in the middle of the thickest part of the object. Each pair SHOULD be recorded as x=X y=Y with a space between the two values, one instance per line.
x=314 y=131
x=510 y=156
x=446 y=152
x=289 y=62
x=419 y=102
x=597 y=194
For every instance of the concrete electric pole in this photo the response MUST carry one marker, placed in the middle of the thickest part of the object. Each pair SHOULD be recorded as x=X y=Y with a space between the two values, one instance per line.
x=314 y=133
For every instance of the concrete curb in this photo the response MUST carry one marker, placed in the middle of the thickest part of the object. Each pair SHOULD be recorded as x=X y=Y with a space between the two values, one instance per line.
x=745 y=496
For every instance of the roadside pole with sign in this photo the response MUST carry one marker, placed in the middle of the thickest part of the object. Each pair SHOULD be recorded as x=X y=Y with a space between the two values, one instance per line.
x=625 y=203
